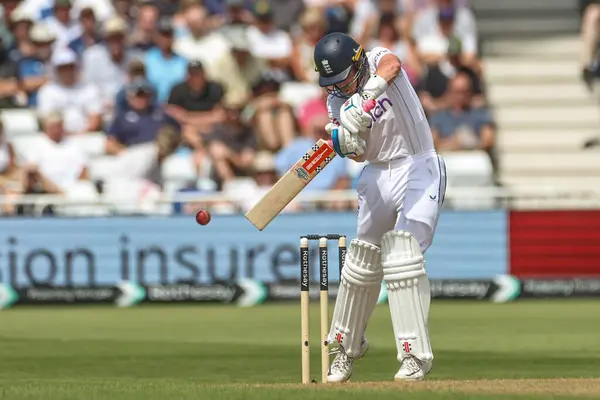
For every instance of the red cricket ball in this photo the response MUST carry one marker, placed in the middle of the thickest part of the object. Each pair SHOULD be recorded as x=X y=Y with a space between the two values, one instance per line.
x=203 y=217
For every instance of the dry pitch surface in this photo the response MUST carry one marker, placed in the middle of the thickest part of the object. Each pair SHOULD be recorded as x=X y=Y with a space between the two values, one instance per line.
x=527 y=350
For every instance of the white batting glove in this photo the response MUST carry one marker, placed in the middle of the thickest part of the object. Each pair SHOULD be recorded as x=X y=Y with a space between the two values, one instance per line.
x=345 y=143
x=353 y=117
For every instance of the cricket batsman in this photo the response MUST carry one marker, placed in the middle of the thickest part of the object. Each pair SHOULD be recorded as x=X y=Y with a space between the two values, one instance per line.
x=375 y=115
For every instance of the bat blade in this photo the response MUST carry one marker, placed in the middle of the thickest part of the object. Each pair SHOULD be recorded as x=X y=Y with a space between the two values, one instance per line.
x=291 y=184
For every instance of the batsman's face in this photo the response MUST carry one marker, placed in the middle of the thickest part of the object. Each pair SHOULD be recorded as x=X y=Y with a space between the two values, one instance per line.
x=348 y=86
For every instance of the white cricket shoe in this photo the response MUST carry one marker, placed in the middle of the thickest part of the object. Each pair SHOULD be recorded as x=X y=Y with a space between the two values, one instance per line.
x=413 y=369
x=342 y=365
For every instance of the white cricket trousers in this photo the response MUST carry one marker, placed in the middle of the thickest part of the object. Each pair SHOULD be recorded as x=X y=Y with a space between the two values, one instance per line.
x=404 y=194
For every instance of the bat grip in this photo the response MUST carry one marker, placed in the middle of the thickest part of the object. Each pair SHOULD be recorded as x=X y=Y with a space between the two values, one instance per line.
x=369 y=105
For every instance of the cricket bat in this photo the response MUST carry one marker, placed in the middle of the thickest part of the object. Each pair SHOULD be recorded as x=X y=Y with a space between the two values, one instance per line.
x=290 y=184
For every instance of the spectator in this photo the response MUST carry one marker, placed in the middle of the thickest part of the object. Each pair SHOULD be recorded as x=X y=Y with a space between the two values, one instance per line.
x=142 y=121
x=56 y=162
x=104 y=65
x=89 y=32
x=433 y=87
x=238 y=70
x=199 y=43
x=461 y=126
x=135 y=69
x=334 y=177
x=9 y=83
x=21 y=23
x=265 y=176
x=179 y=19
x=311 y=109
x=287 y=12
x=443 y=20
x=79 y=102
x=164 y=68
x=368 y=14
x=6 y=11
x=338 y=13
x=35 y=70
x=62 y=25
x=590 y=35
x=10 y=173
x=313 y=25
x=268 y=42
x=390 y=37
x=273 y=119
x=231 y=146
x=196 y=104
x=236 y=13
x=144 y=31
x=103 y=9
x=126 y=10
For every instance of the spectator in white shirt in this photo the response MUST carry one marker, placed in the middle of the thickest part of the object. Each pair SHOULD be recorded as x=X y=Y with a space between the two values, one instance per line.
x=444 y=20
x=63 y=24
x=79 y=102
x=268 y=42
x=198 y=43
x=55 y=161
x=105 y=64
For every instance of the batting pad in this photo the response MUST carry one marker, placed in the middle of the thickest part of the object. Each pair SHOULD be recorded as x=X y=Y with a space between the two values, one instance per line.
x=357 y=296
x=409 y=294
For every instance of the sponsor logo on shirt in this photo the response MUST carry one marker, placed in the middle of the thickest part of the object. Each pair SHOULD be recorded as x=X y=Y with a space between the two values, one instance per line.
x=380 y=54
x=383 y=105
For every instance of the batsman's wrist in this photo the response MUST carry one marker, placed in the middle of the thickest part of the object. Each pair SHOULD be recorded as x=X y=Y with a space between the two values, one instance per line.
x=375 y=86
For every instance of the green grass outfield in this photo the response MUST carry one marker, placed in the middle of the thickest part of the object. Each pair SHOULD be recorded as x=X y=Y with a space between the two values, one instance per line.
x=523 y=350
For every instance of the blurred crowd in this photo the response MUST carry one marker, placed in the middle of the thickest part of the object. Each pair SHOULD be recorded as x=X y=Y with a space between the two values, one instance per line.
x=211 y=95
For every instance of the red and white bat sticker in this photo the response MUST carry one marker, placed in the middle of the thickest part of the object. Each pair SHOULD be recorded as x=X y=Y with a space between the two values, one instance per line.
x=317 y=158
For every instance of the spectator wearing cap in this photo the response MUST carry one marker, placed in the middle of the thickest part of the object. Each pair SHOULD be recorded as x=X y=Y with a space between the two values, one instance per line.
x=231 y=146
x=89 y=35
x=9 y=79
x=62 y=24
x=56 y=161
x=313 y=26
x=443 y=20
x=144 y=29
x=238 y=70
x=79 y=102
x=196 y=104
x=268 y=42
x=20 y=25
x=35 y=70
x=462 y=126
x=199 y=43
x=140 y=122
x=164 y=67
x=136 y=69
x=105 y=64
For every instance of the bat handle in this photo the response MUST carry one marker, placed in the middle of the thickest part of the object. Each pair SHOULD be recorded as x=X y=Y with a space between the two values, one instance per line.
x=369 y=105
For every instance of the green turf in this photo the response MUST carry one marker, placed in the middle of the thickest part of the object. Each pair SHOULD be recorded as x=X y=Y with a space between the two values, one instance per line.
x=216 y=352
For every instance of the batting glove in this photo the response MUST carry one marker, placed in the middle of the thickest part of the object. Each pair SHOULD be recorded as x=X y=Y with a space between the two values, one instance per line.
x=353 y=117
x=345 y=143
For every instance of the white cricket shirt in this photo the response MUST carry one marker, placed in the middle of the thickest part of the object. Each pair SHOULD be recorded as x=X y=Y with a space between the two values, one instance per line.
x=400 y=128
